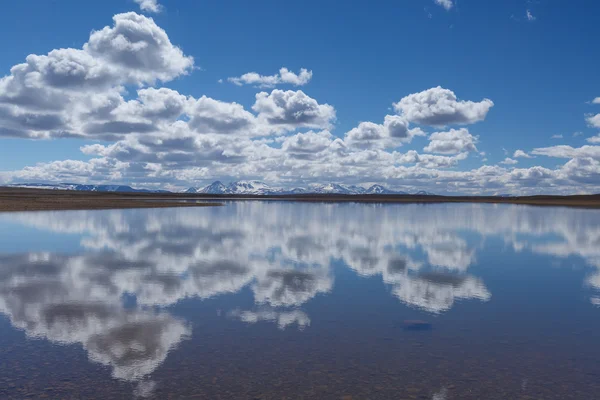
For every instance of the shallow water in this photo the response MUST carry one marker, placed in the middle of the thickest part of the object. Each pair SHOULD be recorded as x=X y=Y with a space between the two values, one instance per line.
x=288 y=300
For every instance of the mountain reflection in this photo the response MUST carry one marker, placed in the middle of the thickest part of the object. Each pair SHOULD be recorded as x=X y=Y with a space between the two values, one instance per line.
x=284 y=253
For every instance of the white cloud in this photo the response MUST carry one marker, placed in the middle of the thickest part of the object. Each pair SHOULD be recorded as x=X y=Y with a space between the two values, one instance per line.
x=149 y=5
x=366 y=135
x=447 y=4
x=158 y=137
x=78 y=92
x=212 y=116
x=429 y=160
x=530 y=16
x=307 y=145
x=509 y=161
x=440 y=107
x=596 y=100
x=282 y=319
x=594 y=139
x=557 y=136
x=293 y=109
x=521 y=154
x=594 y=121
x=394 y=132
x=453 y=141
x=140 y=48
x=565 y=151
x=285 y=76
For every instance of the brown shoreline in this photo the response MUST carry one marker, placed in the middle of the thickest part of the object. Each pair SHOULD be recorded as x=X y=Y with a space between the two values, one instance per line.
x=22 y=199
x=17 y=199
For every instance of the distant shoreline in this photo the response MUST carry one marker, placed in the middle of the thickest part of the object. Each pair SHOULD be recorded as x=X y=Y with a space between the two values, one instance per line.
x=21 y=199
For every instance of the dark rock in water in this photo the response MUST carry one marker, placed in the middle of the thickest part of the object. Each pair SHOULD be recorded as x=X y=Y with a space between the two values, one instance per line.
x=416 y=325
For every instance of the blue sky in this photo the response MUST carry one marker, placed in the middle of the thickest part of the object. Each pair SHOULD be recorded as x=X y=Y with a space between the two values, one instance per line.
x=364 y=57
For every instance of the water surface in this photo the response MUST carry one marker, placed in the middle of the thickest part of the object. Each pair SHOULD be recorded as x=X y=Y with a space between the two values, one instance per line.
x=269 y=300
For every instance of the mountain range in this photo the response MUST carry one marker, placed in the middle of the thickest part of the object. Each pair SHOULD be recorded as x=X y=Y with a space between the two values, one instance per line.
x=261 y=188
x=251 y=187
x=86 y=188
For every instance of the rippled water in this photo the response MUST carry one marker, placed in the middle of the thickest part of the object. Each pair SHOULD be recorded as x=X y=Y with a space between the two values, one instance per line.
x=275 y=300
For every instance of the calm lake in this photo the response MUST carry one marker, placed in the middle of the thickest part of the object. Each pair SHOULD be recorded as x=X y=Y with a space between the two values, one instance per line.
x=282 y=300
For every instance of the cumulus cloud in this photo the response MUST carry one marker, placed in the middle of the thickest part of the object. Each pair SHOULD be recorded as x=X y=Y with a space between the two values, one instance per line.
x=149 y=5
x=593 y=139
x=447 y=4
x=78 y=92
x=293 y=109
x=212 y=116
x=596 y=100
x=307 y=145
x=509 y=161
x=521 y=154
x=138 y=46
x=366 y=135
x=285 y=76
x=393 y=132
x=440 y=107
x=594 y=121
x=453 y=141
x=429 y=160
x=157 y=137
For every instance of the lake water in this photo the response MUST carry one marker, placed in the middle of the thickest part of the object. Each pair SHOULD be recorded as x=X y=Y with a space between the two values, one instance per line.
x=282 y=300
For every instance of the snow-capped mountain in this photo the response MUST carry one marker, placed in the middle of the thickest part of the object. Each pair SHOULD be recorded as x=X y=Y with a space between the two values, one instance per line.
x=261 y=188
x=238 y=187
x=87 y=188
x=214 y=188
x=379 y=189
x=251 y=187
x=335 y=188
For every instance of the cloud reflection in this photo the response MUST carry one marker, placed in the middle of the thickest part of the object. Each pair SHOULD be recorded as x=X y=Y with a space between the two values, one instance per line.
x=48 y=297
x=282 y=319
x=282 y=252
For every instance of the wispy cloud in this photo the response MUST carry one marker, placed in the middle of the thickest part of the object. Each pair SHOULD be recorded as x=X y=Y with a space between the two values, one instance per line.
x=521 y=154
x=447 y=4
x=284 y=76
x=149 y=5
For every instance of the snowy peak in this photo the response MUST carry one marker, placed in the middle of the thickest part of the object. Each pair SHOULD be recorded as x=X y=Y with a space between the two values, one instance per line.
x=238 y=187
x=261 y=188
x=214 y=188
x=250 y=187
x=331 y=188
x=379 y=189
